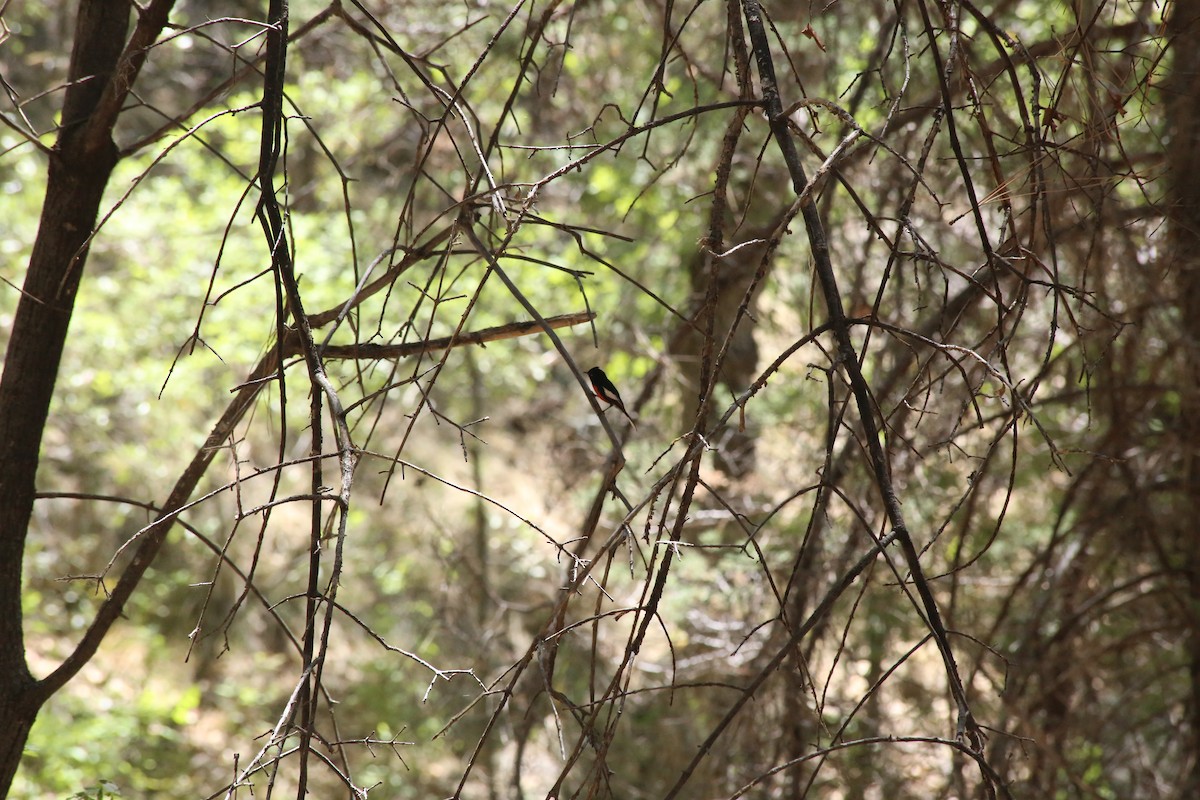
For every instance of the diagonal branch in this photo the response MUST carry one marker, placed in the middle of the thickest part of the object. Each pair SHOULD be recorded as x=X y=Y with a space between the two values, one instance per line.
x=246 y=393
x=151 y=20
x=848 y=359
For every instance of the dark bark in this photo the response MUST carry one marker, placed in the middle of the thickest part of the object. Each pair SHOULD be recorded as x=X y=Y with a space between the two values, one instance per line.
x=103 y=67
x=1183 y=159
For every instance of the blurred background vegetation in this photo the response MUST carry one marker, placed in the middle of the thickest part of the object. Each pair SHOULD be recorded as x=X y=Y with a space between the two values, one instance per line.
x=1002 y=233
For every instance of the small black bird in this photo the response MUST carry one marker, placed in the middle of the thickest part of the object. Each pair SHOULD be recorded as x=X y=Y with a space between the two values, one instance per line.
x=605 y=390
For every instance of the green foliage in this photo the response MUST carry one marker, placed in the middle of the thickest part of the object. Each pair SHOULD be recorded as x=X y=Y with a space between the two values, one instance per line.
x=100 y=791
x=129 y=737
x=458 y=555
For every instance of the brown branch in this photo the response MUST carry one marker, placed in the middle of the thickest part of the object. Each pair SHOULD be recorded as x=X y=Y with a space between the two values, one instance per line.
x=847 y=358
x=390 y=351
x=151 y=20
x=154 y=535
x=199 y=535
x=100 y=76
x=818 y=613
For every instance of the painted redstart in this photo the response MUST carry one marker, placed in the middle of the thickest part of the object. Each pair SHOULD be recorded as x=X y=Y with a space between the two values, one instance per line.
x=605 y=390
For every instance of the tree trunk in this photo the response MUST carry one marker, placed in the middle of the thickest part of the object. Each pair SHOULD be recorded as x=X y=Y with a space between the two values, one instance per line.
x=1183 y=160
x=80 y=166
